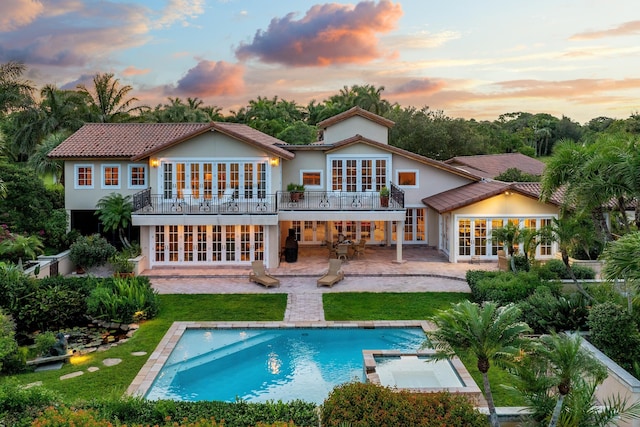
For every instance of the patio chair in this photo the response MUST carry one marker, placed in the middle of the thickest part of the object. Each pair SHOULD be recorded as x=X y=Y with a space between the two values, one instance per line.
x=259 y=275
x=342 y=252
x=334 y=275
x=359 y=248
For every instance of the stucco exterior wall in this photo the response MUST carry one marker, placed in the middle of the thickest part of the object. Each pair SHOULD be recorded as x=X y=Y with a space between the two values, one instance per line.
x=356 y=126
x=304 y=160
x=508 y=205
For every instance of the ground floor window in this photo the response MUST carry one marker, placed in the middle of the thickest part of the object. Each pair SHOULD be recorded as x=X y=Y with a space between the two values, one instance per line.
x=200 y=244
x=474 y=235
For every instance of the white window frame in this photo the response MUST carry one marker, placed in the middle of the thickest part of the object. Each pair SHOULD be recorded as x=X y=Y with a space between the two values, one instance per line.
x=130 y=175
x=312 y=187
x=111 y=165
x=414 y=171
x=76 y=176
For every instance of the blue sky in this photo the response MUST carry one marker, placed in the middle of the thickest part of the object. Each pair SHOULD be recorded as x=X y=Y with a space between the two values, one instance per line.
x=470 y=59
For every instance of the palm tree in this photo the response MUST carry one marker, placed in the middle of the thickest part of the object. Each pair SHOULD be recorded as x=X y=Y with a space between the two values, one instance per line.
x=570 y=232
x=622 y=261
x=489 y=332
x=566 y=170
x=508 y=236
x=568 y=362
x=22 y=246
x=42 y=164
x=15 y=93
x=109 y=101
x=558 y=379
x=114 y=211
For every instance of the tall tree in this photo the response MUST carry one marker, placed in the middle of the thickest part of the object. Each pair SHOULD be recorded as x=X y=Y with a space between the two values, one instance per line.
x=15 y=92
x=42 y=164
x=489 y=332
x=109 y=102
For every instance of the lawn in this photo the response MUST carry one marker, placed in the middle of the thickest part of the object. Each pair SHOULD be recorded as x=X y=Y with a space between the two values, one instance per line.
x=115 y=380
x=387 y=306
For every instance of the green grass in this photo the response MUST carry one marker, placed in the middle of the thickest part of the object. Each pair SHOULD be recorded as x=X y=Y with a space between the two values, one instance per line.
x=387 y=306
x=497 y=378
x=115 y=380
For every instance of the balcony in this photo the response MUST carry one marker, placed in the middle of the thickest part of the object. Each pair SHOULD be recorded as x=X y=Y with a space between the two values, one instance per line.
x=145 y=203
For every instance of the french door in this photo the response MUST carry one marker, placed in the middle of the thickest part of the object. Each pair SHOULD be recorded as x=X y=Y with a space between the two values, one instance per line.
x=207 y=244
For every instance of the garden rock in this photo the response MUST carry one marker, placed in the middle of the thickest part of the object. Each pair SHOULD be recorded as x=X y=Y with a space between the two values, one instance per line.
x=111 y=362
x=71 y=375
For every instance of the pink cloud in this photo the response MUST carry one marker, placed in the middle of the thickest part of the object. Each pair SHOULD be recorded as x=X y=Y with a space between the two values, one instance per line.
x=625 y=29
x=418 y=86
x=211 y=78
x=69 y=33
x=16 y=13
x=133 y=71
x=327 y=34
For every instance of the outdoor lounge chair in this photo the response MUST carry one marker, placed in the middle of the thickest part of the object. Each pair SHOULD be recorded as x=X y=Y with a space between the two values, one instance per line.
x=259 y=275
x=334 y=275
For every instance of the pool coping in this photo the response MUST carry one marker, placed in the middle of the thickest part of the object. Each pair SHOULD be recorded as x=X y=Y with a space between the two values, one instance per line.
x=147 y=374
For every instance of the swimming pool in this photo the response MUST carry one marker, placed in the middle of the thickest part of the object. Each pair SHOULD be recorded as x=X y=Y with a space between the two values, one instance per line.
x=260 y=362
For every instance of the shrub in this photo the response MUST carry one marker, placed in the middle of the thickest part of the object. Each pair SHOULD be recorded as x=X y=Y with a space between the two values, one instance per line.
x=19 y=405
x=89 y=251
x=8 y=344
x=137 y=410
x=554 y=269
x=614 y=332
x=366 y=404
x=44 y=304
x=545 y=311
x=43 y=342
x=505 y=287
x=123 y=300
x=55 y=230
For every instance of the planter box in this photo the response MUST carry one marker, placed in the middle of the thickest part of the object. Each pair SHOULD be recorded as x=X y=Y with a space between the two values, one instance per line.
x=619 y=382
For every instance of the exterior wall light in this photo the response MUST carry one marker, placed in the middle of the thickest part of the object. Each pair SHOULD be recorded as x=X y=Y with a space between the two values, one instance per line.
x=154 y=163
x=275 y=161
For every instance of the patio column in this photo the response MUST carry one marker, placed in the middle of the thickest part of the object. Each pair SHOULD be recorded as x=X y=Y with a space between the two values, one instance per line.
x=399 y=241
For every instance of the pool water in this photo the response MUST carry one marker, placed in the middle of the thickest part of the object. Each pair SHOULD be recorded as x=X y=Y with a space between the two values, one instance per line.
x=257 y=365
x=417 y=372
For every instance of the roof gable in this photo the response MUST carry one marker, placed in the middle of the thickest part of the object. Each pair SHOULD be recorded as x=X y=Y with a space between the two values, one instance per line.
x=355 y=111
x=466 y=195
x=359 y=139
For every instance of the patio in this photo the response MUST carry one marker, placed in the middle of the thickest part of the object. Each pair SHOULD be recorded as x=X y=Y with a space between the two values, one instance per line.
x=313 y=261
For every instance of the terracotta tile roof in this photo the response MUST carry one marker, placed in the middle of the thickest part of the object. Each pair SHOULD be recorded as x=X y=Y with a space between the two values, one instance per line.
x=493 y=165
x=464 y=196
x=475 y=192
x=533 y=189
x=355 y=111
x=135 y=141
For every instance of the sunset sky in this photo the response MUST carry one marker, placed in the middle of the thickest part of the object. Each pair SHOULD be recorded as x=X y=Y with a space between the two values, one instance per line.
x=469 y=58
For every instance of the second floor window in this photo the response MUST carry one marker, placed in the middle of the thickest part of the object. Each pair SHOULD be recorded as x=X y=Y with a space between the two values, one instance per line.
x=84 y=176
x=111 y=176
x=137 y=176
x=354 y=175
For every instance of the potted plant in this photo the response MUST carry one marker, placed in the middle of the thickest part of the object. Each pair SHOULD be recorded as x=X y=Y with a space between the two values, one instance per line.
x=384 y=197
x=296 y=191
x=122 y=267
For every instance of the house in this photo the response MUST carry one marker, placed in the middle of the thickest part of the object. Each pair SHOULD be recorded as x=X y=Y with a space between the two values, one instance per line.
x=211 y=194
